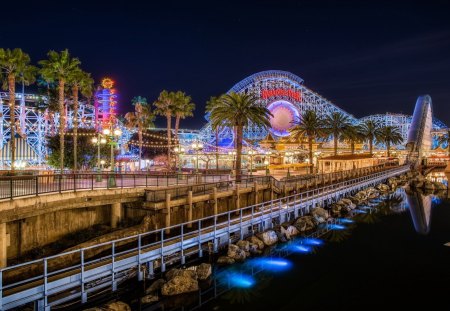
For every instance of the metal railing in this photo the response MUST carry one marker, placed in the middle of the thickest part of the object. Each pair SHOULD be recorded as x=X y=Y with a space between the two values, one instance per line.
x=79 y=273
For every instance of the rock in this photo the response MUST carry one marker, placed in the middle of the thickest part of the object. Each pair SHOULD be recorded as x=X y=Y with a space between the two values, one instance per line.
x=244 y=245
x=203 y=270
x=281 y=234
x=346 y=201
x=149 y=299
x=269 y=237
x=254 y=249
x=236 y=253
x=292 y=231
x=117 y=306
x=319 y=214
x=439 y=186
x=180 y=284
x=305 y=223
x=383 y=187
x=155 y=286
x=185 y=273
x=255 y=240
x=225 y=260
x=428 y=185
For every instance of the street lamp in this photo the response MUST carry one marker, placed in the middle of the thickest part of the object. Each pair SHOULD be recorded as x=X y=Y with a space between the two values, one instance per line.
x=102 y=162
x=116 y=133
x=179 y=151
x=99 y=140
x=251 y=153
x=197 y=146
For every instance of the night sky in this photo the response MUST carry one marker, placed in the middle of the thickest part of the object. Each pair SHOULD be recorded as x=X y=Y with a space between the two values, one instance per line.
x=366 y=57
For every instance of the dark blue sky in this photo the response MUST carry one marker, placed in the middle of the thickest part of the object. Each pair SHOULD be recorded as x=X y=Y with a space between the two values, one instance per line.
x=365 y=56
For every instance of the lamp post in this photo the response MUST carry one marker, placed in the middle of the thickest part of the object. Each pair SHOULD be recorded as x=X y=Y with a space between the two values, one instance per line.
x=112 y=135
x=233 y=154
x=251 y=153
x=102 y=162
x=99 y=140
x=179 y=151
x=266 y=163
x=197 y=146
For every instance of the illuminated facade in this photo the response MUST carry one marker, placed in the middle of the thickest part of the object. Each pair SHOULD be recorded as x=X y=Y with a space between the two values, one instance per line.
x=105 y=104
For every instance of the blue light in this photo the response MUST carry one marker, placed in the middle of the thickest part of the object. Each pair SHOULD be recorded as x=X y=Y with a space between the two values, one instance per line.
x=271 y=264
x=241 y=280
x=311 y=241
x=336 y=227
x=345 y=221
x=303 y=248
x=358 y=211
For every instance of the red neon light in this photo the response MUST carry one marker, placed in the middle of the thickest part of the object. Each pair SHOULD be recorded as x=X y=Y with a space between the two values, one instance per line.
x=265 y=94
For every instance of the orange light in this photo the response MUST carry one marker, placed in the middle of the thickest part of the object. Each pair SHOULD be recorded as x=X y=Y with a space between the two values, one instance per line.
x=107 y=83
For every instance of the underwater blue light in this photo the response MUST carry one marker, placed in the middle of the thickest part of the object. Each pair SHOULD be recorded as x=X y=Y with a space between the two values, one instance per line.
x=303 y=248
x=311 y=241
x=358 y=211
x=272 y=264
x=241 y=280
x=345 y=221
x=336 y=227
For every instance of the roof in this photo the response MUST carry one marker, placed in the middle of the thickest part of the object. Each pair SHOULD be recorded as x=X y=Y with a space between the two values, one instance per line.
x=348 y=157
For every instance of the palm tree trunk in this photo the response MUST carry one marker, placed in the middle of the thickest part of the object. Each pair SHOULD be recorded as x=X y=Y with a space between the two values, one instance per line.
x=217 y=149
x=140 y=146
x=335 y=138
x=371 y=145
x=177 y=126
x=310 y=145
x=352 y=146
x=12 y=117
x=62 y=124
x=169 y=140
x=239 y=137
x=388 y=146
x=75 y=127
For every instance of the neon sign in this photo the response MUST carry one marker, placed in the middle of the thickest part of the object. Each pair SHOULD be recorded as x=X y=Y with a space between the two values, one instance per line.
x=265 y=94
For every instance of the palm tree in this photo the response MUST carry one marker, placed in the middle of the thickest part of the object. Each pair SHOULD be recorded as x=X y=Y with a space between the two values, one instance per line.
x=370 y=130
x=183 y=108
x=389 y=135
x=239 y=111
x=165 y=106
x=141 y=119
x=79 y=81
x=15 y=65
x=352 y=135
x=210 y=104
x=445 y=139
x=311 y=127
x=335 y=124
x=59 y=67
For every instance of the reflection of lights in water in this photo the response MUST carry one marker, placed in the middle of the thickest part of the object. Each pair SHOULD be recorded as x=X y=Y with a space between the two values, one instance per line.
x=301 y=248
x=336 y=227
x=358 y=211
x=345 y=221
x=272 y=264
x=241 y=280
x=311 y=241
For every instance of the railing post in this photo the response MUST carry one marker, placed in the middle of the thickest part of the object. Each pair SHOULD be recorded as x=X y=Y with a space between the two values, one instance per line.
x=113 y=251
x=92 y=181
x=60 y=177
x=11 y=187
x=83 y=293
x=1 y=289
x=200 y=251
x=37 y=189
x=74 y=182
x=45 y=282
x=140 y=274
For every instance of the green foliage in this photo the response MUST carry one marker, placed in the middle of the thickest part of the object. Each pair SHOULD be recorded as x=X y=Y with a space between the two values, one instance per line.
x=16 y=63
x=87 y=151
x=389 y=135
x=370 y=129
x=335 y=124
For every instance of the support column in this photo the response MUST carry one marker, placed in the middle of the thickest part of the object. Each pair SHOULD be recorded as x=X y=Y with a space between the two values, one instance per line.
x=255 y=186
x=4 y=243
x=168 y=211
x=116 y=214
x=190 y=209
x=216 y=203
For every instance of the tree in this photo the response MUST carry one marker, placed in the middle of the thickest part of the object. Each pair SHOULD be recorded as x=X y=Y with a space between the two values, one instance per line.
x=370 y=130
x=15 y=65
x=445 y=139
x=58 y=67
x=141 y=119
x=239 y=111
x=389 y=135
x=210 y=104
x=352 y=135
x=311 y=127
x=183 y=108
x=79 y=81
x=165 y=106
x=86 y=155
x=334 y=124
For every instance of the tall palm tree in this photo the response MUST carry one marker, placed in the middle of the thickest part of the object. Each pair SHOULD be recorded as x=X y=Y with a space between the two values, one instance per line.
x=389 y=135
x=210 y=104
x=352 y=135
x=59 y=67
x=79 y=81
x=445 y=139
x=370 y=130
x=165 y=106
x=15 y=65
x=141 y=119
x=311 y=127
x=335 y=124
x=239 y=110
x=183 y=108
